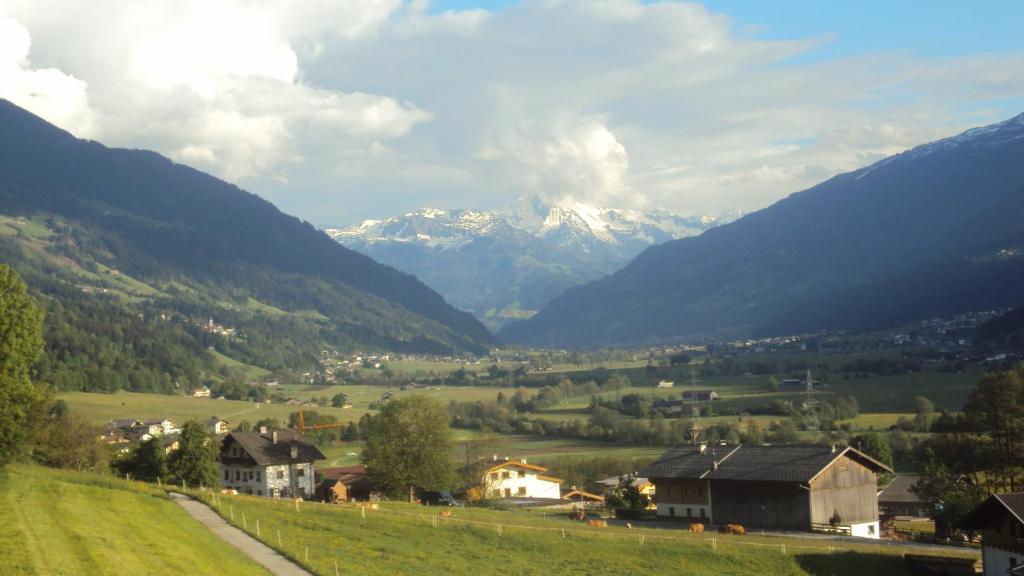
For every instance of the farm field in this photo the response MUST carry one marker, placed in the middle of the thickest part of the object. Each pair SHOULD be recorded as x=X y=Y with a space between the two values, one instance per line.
x=396 y=536
x=537 y=449
x=63 y=522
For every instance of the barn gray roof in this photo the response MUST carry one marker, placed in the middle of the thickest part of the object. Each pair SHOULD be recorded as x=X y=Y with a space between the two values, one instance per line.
x=263 y=449
x=899 y=490
x=790 y=463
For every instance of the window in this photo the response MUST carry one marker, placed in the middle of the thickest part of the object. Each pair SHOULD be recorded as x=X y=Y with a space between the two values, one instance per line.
x=227 y=474
x=238 y=475
x=671 y=511
x=521 y=491
x=280 y=474
x=522 y=474
x=689 y=512
x=257 y=475
x=505 y=475
x=702 y=514
x=259 y=492
x=302 y=472
x=508 y=492
x=494 y=475
x=843 y=466
x=871 y=529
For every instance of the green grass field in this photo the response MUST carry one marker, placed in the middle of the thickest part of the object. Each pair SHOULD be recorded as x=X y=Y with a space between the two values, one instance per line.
x=62 y=522
x=248 y=370
x=398 y=538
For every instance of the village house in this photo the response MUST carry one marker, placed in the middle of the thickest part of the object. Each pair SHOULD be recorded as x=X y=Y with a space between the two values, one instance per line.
x=217 y=426
x=700 y=395
x=275 y=464
x=897 y=500
x=769 y=487
x=136 y=428
x=512 y=479
x=643 y=485
x=342 y=484
x=202 y=392
x=1000 y=519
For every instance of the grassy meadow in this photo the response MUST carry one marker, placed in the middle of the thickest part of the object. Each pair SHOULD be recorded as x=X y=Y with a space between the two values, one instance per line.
x=63 y=522
x=397 y=538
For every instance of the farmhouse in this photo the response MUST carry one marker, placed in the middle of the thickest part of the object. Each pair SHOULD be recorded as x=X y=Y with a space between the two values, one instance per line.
x=898 y=500
x=512 y=479
x=643 y=485
x=277 y=463
x=202 y=392
x=1001 y=522
x=217 y=426
x=342 y=484
x=773 y=487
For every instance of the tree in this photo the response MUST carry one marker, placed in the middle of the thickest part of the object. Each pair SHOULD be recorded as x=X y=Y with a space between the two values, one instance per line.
x=875 y=445
x=340 y=399
x=21 y=343
x=196 y=462
x=627 y=495
x=69 y=441
x=947 y=496
x=924 y=412
x=408 y=446
x=147 y=461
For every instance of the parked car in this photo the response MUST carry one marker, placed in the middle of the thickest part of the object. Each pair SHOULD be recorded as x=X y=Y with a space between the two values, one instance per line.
x=439 y=498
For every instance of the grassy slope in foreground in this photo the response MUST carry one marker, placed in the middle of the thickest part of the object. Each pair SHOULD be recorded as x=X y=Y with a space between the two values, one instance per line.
x=404 y=538
x=62 y=522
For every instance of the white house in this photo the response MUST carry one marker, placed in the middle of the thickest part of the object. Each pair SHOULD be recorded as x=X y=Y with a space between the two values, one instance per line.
x=217 y=426
x=201 y=392
x=275 y=464
x=515 y=479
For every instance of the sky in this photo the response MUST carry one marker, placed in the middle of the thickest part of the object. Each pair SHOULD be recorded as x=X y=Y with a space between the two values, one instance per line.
x=343 y=110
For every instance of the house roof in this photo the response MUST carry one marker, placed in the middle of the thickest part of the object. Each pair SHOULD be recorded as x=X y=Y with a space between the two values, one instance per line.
x=612 y=482
x=263 y=449
x=338 y=471
x=487 y=466
x=899 y=490
x=583 y=495
x=986 y=513
x=784 y=463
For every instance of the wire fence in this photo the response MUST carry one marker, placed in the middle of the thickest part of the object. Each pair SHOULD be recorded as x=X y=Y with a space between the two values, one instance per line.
x=299 y=550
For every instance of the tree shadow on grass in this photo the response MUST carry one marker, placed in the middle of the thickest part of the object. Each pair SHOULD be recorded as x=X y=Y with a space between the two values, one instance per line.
x=851 y=564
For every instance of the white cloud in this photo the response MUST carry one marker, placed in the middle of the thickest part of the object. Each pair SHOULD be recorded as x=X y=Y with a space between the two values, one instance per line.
x=214 y=83
x=47 y=92
x=341 y=110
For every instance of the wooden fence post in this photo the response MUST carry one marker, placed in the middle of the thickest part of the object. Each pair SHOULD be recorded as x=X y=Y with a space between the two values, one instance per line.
x=279 y=539
x=257 y=526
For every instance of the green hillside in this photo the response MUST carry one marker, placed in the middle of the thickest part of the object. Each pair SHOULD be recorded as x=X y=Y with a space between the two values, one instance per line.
x=397 y=538
x=143 y=265
x=62 y=522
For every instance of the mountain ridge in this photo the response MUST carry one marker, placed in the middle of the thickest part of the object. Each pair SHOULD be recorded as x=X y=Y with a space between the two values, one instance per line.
x=878 y=239
x=199 y=246
x=504 y=264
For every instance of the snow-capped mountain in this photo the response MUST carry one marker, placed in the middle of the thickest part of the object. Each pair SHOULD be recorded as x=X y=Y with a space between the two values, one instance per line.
x=505 y=264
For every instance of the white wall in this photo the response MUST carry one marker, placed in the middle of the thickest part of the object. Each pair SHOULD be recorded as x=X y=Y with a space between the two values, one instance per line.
x=997 y=561
x=666 y=508
x=865 y=530
x=533 y=487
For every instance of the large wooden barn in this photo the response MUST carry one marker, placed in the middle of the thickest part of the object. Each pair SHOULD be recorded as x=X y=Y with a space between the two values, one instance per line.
x=769 y=487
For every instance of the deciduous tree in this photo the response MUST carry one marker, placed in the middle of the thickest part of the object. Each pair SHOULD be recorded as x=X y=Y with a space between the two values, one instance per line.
x=408 y=446
x=21 y=342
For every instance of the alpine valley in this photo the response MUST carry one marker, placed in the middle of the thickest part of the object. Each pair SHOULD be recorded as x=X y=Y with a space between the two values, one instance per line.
x=504 y=265
x=933 y=231
x=154 y=275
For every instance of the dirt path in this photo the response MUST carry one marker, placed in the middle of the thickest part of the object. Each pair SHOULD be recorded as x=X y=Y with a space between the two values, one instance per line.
x=258 y=551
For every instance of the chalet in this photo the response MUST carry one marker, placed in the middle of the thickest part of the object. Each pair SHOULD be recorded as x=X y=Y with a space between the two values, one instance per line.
x=1000 y=519
x=342 y=484
x=137 y=427
x=277 y=463
x=898 y=500
x=217 y=426
x=202 y=392
x=665 y=384
x=511 y=479
x=769 y=487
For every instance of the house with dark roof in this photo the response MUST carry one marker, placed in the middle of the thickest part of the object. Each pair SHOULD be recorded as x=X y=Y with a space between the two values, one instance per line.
x=769 y=487
x=1000 y=519
x=277 y=464
x=898 y=499
x=343 y=484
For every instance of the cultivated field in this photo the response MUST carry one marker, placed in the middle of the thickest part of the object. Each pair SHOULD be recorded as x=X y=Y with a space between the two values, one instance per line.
x=62 y=522
x=396 y=538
